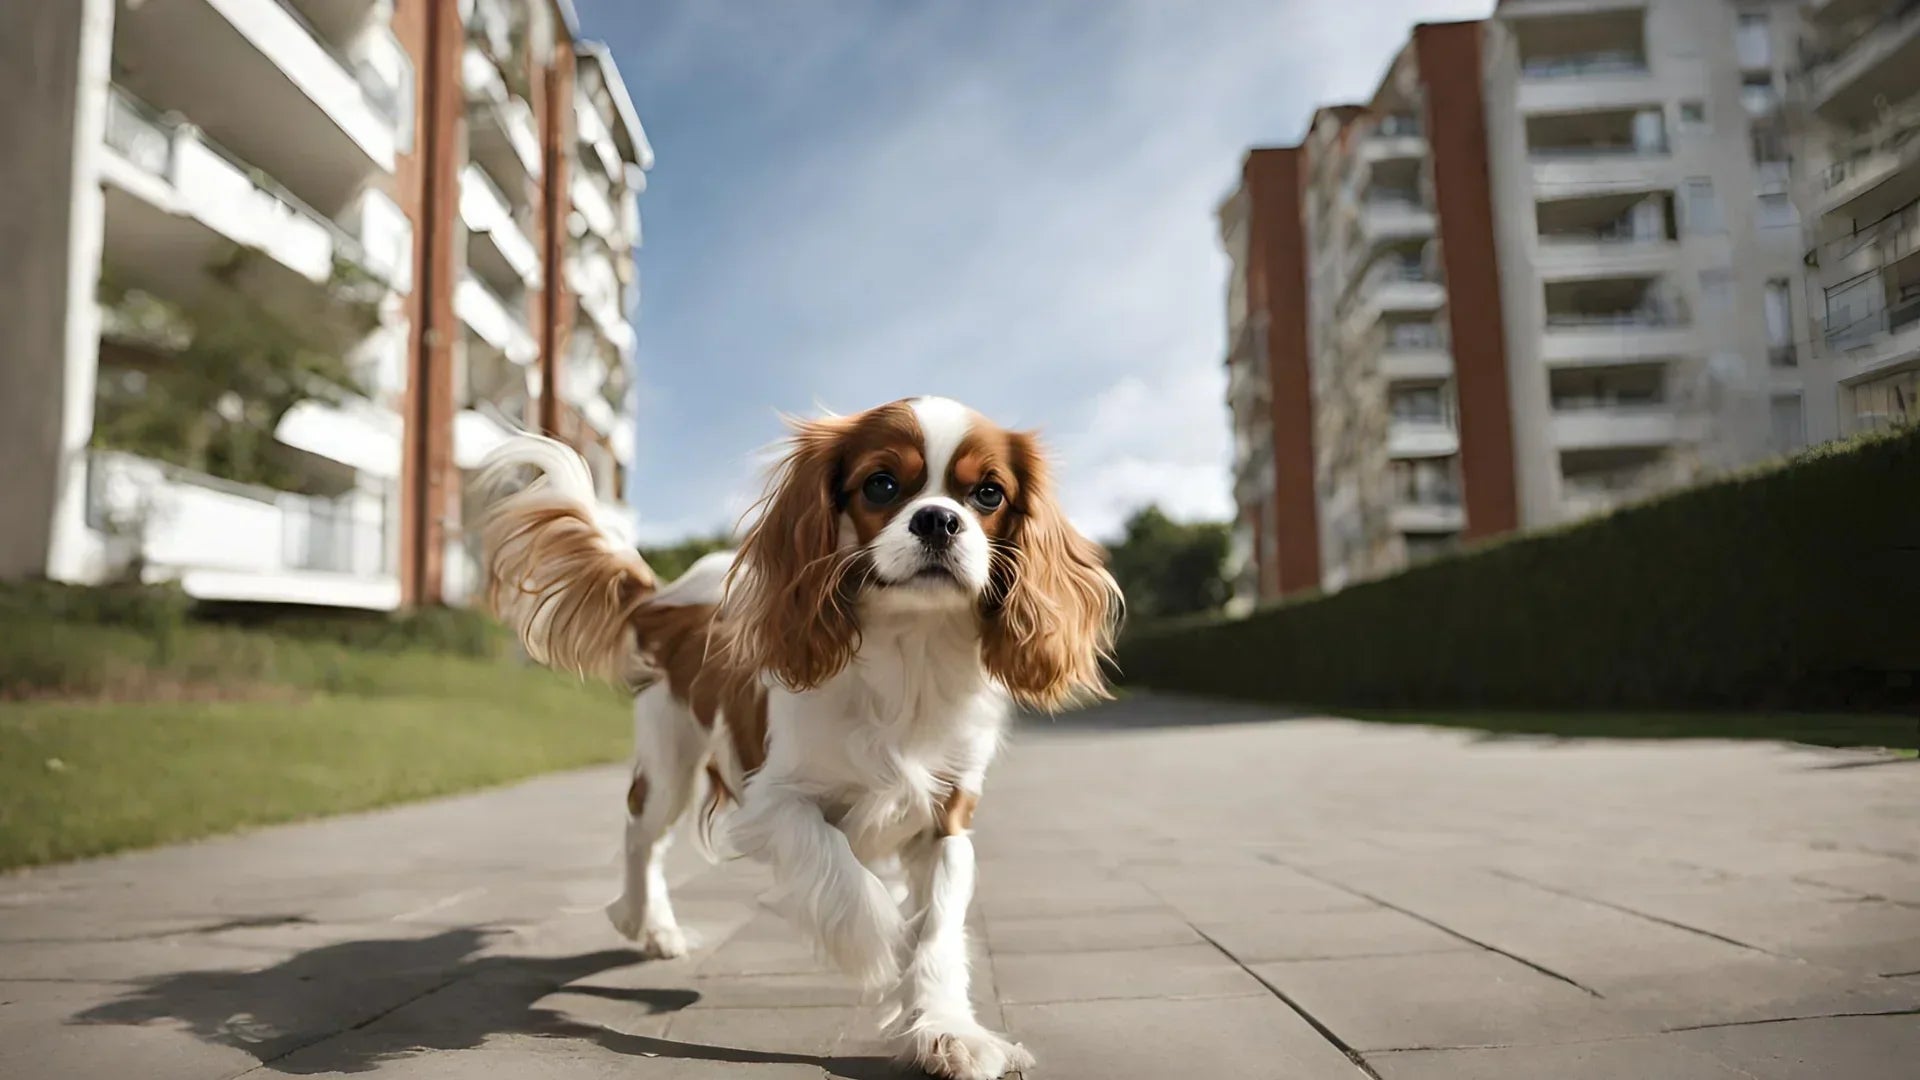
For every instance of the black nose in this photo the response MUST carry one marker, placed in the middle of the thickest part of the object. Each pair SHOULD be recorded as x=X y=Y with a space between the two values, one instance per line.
x=936 y=526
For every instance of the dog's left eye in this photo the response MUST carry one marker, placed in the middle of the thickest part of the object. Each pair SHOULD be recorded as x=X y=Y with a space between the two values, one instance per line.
x=988 y=497
x=881 y=488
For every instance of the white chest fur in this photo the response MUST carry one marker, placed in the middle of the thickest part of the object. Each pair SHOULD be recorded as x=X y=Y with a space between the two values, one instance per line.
x=883 y=742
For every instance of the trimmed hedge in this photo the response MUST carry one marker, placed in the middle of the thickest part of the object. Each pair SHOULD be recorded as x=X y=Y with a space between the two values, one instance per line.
x=1796 y=587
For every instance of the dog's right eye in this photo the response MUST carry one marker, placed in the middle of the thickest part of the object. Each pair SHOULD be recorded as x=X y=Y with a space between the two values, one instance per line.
x=881 y=488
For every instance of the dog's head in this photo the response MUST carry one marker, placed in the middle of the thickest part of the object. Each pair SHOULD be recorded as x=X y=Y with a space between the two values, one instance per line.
x=921 y=507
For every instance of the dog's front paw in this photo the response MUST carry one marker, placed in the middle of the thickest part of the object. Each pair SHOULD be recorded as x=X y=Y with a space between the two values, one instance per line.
x=656 y=940
x=967 y=1051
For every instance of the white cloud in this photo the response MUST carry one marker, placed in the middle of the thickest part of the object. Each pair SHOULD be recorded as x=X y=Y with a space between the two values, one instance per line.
x=1026 y=224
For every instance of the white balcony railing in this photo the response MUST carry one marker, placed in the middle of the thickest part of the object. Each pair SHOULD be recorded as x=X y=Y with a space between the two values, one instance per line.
x=1621 y=426
x=1885 y=37
x=595 y=207
x=378 y=65
x=1644 y=319
x=1584 y=65
x=204 y=181
x=180 y=521
x=485 y=210
x=495 y=322
x=1421 y=437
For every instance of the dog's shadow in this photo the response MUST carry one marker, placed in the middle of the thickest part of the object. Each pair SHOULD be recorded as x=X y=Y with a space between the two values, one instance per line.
x=349 y=1006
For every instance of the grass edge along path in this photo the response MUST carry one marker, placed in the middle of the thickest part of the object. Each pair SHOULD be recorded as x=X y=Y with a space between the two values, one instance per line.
x=100 y=752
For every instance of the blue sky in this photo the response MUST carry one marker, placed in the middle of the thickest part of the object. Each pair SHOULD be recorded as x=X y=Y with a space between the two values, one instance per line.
x=1005 y=201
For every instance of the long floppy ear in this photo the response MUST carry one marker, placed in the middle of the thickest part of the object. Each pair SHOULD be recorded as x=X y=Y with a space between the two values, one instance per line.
x=1051 y=609
x=790 y=605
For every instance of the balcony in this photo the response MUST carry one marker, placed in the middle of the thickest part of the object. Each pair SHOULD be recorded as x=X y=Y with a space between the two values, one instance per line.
x=177 y=202
x=228 y=541
x=1402 y=286
x=1875 y=175
x=493 y=321
x=1623 y=427
x=596 y=284
x=1881 y=341
x=259 y=78
x=1428 y=517
x=1598 y=481
x=490 y=24
x=498 y=246
x=596 y=208
x=1426 y=436
x=502 y=134
x=1617 y=149
x=1601 y=340
x=1586 y=81
x=596 y=137
x=1387 y=218
x=1415 y=352
x=1881 y=64
x=1604 y=253
x=1394 y=138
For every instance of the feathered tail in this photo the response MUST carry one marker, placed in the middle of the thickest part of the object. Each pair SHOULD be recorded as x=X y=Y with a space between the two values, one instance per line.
x=554 y=573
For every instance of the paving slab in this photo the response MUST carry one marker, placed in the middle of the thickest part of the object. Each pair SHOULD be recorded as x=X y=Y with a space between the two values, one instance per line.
x=1434 y=1000
x=1102 y=931
x=1724 y=905
x=1173 y=971
x=1325 y=935
x=1665 y=1057
x=1226 y=1038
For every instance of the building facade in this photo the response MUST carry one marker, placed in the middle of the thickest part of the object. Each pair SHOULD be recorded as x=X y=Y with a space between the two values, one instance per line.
x=1857 y=103
x=300 y=265
x=1554 y=265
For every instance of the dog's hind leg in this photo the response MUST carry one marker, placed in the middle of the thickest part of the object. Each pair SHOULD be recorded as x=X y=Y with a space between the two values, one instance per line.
x=669 y=747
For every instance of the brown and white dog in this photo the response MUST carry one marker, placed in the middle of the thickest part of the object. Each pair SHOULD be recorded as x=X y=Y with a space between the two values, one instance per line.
x=838 y=686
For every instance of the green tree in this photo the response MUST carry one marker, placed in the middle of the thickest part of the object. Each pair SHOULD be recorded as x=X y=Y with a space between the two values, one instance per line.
x=672 y=560
x=1167 y=568
x=204 y=384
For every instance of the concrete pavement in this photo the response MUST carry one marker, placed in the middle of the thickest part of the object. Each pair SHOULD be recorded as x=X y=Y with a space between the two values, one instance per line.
x=1168 y=888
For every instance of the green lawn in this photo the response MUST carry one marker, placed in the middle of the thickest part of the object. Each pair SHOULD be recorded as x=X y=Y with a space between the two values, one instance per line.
x=120 y=739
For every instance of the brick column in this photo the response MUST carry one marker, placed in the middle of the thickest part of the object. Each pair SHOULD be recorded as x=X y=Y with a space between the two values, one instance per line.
x=428 y=185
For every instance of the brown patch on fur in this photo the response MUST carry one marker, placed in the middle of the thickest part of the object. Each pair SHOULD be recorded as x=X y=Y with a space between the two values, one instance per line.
x=793 y=586
x=986 y=455
x=680 y=643
x=956 y=812
x=636 y=795
x=1051 y=609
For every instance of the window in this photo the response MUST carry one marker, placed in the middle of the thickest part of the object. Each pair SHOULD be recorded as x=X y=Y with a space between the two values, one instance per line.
x=1426 y=482
x=1759 y=96
x=1780 y=348
x=1777 y=212
x=1891 y=401
x=1650 y=131
x=1420 y=405
x=1703 y=209
x=1753 y=41
x=1769 y=143
x=1789 y=424
x=1855 y=312
x=1693 y=115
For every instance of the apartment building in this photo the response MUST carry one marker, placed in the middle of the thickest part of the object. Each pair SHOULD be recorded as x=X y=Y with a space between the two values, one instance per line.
x=1553 y=265
x=1650 y=249
x=287 y=269
x=1857 y=99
